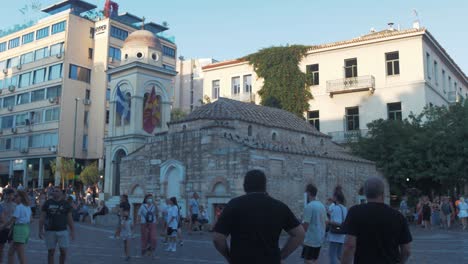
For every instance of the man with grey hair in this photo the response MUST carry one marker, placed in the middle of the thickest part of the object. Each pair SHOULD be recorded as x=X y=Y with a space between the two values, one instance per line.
x=375 y=233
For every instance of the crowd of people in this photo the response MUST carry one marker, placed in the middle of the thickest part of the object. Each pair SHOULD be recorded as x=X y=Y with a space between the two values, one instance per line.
x=441 y=212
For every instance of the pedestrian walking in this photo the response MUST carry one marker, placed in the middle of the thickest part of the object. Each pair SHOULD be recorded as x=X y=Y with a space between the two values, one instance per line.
x=314 y=224
x=254 y=222
x=126 y=233
x=446 y=209
x=147 y=219
x=435 y=216
x=336 y=235
x=19 y=223
x=463 y=212
x=173 y=219
x=426 y=213
x=194 y=210
x=8 y=208
x=124 y=206
x=375 y=233
x=56 y=215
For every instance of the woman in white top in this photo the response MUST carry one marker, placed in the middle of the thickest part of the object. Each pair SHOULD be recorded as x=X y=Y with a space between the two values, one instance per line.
x=463 y=212
x=337 y=216
x=172 y=224
x=20 y=221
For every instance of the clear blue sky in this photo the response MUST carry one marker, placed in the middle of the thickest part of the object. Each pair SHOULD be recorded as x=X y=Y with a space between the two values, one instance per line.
x=224 y=29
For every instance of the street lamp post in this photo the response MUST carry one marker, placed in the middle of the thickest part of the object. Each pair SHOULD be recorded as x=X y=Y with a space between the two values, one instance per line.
x=74 y=139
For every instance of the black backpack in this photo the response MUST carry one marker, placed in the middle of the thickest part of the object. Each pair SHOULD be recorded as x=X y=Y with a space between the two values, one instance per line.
x=149 y=217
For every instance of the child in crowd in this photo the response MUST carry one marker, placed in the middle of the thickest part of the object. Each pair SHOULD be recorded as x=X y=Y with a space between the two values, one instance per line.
x=126 y=233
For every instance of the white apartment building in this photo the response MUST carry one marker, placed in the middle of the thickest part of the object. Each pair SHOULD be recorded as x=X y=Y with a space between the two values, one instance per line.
x=385 y=74
x=189 y=83
x=52 y=71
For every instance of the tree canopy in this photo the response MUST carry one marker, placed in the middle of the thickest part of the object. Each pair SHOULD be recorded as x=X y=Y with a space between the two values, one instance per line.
x=90 y=174
x=285 y=85
x=428 y=151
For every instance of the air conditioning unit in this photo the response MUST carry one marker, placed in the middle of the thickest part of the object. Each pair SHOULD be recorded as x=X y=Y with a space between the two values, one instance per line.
x=18 y=66
x=10 y=108
x=14 y=130
x=11 y=88
x=54 y=100
x=53 y=149
x=5 y=71
x=86 y=101
x=59 y=56
x=24 y=150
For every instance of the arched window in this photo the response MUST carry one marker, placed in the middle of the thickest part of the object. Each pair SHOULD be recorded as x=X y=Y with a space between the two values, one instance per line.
x=249 y=131
x=302 y=140
x=273 y=136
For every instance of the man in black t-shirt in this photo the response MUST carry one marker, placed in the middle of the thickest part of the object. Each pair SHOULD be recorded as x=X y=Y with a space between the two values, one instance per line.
x=56 y=215
x=255 y=221
x=375 y=233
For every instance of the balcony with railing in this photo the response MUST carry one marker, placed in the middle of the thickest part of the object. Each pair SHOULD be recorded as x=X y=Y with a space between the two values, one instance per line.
x=343 y=137
x=244 y=97
x=455 y=97
x=351 y=85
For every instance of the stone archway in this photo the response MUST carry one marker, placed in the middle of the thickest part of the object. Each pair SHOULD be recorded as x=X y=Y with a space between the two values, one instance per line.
x=172 y=180
x=119 y=154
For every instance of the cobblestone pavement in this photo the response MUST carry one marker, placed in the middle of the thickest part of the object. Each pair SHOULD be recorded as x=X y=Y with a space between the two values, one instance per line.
x=93 y=246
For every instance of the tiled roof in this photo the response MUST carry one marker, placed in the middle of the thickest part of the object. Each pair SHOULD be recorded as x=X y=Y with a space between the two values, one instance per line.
x=227 y=109
x=372 y=36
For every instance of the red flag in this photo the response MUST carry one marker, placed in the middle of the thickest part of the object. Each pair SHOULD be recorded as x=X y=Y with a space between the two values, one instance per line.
x=152 y=112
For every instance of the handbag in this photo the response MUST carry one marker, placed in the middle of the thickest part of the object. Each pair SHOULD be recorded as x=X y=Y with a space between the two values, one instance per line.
x=337 y=228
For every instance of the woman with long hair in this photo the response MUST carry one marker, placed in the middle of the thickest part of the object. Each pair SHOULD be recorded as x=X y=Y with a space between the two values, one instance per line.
x=20 y=222
x=338 y=214
x=463 y=212
x=172 y=224
x=147 y=218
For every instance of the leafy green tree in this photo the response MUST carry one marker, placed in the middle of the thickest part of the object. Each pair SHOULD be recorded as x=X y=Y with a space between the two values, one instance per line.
x=66 y=168
x=177 y=114
x=283 y=80
x=90 y=174
x=428 y=151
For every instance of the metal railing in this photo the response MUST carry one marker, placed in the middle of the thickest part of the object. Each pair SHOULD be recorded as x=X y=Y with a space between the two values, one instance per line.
x=244 y=97
x=347 y=85
x=343 y=137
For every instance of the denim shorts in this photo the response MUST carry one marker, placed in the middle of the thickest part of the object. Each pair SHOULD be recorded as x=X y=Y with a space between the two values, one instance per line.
x=52 y=238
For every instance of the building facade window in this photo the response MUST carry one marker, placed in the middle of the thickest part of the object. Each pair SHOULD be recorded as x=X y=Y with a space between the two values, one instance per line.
x=450 y=84
x=312 y=72
x=118 y=33
x=37 y=117
x=7 y=121
x=274 y=136
x=55 y=72
x=235 y=85
x=314 y=119
x=90 y=53
x=392 y=61
x=215 y=89
x=37 y=95
x=444 y=81
x=27 y=58
x=28 y=38
x=428 y=65
x=168 y=51
x=39 y=76
x=79 y=73
x=24 y=80
x=21 y=119
x=394 y=111
x=352 y=118
x=42 y=33
x=8 y=101
x=3 y=46
x=350 y=68
x=13 y=43
x=12 y=81
x=248 y=83
x=436 y=73
x=41 y=53
x=86 y=118
x=50 y=139
x=115 y=53
x=56 y=49
x=249 y=131
x=59 y=27
x=168 y=67
x=13 y=62
x=52 y=114
x=85 y=142
x=53 y=92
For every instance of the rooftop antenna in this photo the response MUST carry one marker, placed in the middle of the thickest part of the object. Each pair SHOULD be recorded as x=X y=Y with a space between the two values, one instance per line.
x=143 y=22
x=416 y=22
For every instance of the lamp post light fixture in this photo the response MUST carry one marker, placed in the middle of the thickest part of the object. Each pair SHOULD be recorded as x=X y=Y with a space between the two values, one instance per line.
x=407 y=179
x=74 y=139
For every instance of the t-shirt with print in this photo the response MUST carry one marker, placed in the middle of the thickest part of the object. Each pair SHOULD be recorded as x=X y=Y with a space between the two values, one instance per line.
x=22 y=214
x=379 y=232
x=315 y=215
x=173 y=212
x=255 y=221
x=194 y=206
x=56 y=214
x=144 y=210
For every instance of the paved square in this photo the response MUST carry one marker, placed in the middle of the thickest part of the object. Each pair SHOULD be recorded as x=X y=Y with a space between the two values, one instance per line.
x=94 y=246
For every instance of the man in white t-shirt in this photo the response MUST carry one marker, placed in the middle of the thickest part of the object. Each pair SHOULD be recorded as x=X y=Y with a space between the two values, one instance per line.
x=315 y=216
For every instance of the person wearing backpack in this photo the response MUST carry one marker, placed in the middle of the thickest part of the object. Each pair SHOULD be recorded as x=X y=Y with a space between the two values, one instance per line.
x=446 y=209
x=336 y=234
x=147 y=218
